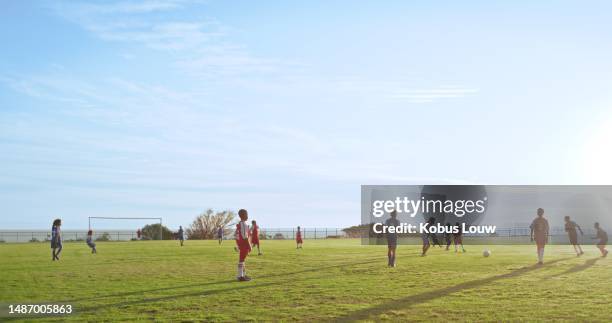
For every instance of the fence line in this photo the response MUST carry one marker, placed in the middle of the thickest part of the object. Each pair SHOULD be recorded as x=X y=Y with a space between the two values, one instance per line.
x=127 y=235
x=265 y=233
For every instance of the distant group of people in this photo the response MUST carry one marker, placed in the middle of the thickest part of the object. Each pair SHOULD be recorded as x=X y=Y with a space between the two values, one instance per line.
x=427 y=238
x=247 y=238
x=540 y=232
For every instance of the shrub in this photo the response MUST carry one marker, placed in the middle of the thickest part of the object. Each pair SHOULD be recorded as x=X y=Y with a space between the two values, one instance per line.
x=104 y=237
x=34 y=240
x=151 y=232
x=279 y=236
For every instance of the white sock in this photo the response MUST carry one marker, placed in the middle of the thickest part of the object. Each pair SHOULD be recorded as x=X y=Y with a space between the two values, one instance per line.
x=541 y=255
x=240 y=269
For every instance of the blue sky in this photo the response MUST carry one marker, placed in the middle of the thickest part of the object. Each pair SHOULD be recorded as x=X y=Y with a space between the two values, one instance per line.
x=166 y=108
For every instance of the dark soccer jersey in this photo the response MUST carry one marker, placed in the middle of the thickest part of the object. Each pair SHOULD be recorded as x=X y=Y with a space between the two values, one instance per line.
x=570 y=227
x=602 y=235
x=392 y=222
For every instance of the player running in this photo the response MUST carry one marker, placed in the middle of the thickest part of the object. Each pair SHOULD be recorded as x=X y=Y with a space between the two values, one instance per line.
x=458 y=237
x=539 y=233
x=90 y=242
x=56 y=239
x=298 y=238
x=392 y=238
x=255 y=237
x=243 y=244
x=181 y=235
x=603 y=239
x=570 y=228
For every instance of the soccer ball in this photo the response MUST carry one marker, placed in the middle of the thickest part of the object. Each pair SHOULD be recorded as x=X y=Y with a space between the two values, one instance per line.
x=486 y=253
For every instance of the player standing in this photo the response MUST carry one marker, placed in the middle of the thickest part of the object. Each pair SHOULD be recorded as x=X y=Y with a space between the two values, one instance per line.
x=458 y=237
x=181 y=235
x=539 y=233
x=255 y=237
x=243 y=243
x=220 y=235
x=426 y=235
x=603 y=239
x=90 y=242
x=298 y=238
x=448 y=235
x=570 y=228
x=392 y=238
x=56 y=239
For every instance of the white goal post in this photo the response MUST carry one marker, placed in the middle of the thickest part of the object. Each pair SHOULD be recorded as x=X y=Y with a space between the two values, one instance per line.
x=161 y=235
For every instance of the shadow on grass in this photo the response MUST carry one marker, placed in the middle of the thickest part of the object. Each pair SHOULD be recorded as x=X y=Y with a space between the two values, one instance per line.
x=578 y=268
x=233 y=288
x=138 y=292
x=411 y=300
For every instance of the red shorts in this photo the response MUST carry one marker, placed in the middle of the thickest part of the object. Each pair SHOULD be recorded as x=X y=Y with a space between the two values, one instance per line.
x=255 y=242
x=243 y=254
x=244 y=248
x=299 y=240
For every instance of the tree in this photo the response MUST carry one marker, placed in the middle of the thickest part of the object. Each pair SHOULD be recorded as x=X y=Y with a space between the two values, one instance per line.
x=151 y=232
x=205 y=225
x=356 y=231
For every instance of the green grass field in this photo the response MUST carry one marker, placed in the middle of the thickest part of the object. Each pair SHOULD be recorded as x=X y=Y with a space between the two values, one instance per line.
x=327 y=280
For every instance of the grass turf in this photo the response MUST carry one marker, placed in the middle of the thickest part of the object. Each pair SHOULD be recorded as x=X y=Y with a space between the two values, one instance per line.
x=327 y=280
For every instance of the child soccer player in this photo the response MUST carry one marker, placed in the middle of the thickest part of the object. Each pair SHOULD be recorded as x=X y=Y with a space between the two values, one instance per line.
x=392 y=238
x=448 y=235
x=298 y=239
x=56 y=239
x=603 y=240
x=181 y=235
x=90 y=242
x=220 y=235
x=255 y=237
x=539 y=233
x=570 y=228
x=425 y=236
x=458 y=237
x=243 y=244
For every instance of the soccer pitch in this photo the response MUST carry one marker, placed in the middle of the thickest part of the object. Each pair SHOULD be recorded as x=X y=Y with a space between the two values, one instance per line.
x=327 y=280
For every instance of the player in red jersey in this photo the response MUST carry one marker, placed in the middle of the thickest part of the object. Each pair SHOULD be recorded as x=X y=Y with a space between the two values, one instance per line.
x=243 y=243
x=298 y=238
x=255 y=237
